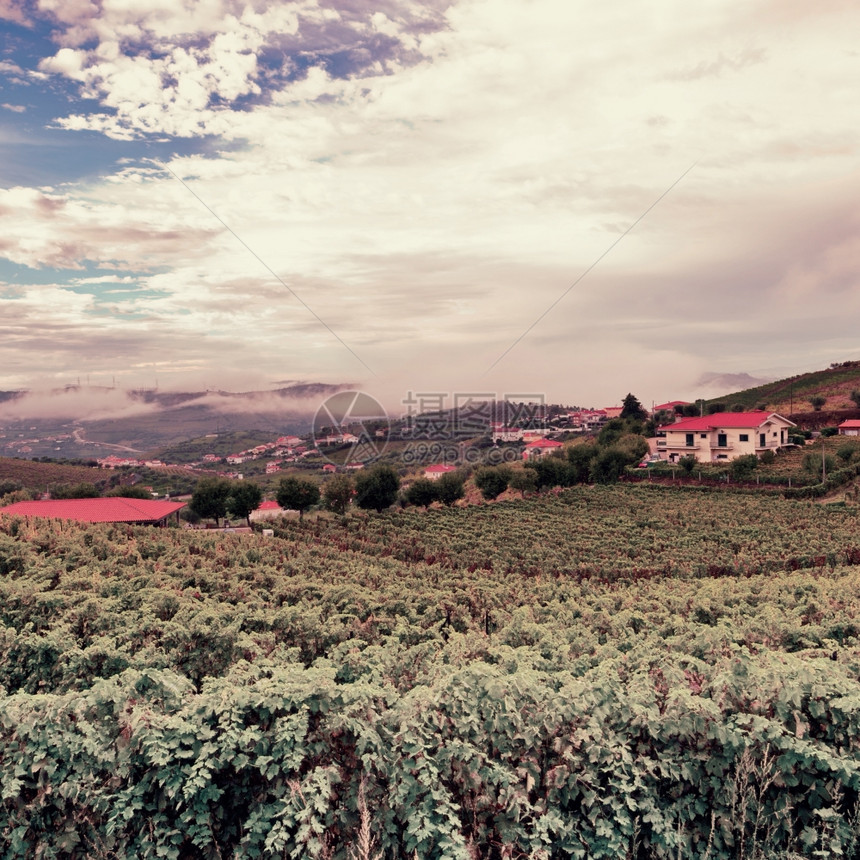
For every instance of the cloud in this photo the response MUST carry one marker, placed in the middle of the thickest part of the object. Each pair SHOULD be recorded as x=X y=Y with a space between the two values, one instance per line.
x=429 y=179
x=183 y=68
x=13 y=10
x=73 y=402
x=13 y=108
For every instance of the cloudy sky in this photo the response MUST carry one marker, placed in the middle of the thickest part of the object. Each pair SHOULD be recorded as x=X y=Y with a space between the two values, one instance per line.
x=503 y=196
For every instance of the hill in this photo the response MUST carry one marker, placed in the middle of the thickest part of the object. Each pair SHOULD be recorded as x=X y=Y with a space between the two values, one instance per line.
x=34 y=475
x=792 y=395
x=92 y=421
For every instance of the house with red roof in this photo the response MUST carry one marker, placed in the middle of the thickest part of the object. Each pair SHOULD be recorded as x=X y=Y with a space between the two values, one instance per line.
x=434 y=472
x=541 y=448
x=266 y=511
x=851 y=427
x=723 y=436
x=110 y=510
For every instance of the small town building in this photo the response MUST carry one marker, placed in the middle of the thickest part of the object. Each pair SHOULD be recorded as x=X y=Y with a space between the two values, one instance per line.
x=541 y=448
x=850 y=428
x=723 y=436
x=434 y=472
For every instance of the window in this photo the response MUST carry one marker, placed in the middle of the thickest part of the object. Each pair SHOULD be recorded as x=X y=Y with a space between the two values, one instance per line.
x=762 y=440
x=703 y=435
x=689 y=442
x=744 y=437
x=722 y=441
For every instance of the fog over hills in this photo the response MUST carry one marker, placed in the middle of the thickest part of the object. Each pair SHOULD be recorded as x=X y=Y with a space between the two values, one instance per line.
x=147 y=419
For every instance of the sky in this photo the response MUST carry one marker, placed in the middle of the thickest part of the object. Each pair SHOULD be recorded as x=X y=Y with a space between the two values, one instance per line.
x=537 y=198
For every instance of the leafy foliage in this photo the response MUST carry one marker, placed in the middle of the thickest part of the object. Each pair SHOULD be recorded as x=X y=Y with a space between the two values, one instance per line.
x=297 y=494
x=492 y=481
x=422 y=492
x=337 y=493
x=245 y=497
x=75 y=491
x=632 y=408
x=609 y=672
x=376 y=489
x=210 y=496
x=688 y=462
x=450 y=488
x=743 y=467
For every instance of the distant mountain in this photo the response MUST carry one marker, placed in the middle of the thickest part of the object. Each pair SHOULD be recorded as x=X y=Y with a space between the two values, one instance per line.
x=108 y=419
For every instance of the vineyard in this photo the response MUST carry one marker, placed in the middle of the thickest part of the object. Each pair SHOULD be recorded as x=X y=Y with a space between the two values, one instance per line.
x=608 y=672
x=30 y=473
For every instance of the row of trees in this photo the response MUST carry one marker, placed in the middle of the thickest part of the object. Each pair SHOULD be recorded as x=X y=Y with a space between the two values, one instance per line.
x=376 y=489
x=603 y=461
x=214 y=498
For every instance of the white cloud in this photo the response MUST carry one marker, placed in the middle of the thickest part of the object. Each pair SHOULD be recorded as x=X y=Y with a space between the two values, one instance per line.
x=430 y=211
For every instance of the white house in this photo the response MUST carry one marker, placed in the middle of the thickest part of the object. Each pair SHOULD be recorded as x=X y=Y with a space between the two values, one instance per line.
x=849 y=428
x=507 y=434
x=723 y=436
x=434 y=472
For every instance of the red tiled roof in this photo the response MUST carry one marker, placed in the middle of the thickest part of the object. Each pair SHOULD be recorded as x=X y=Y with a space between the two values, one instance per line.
x=545 y=443
x=441 y=468
x=269 y=506
x=113 y=510
x=662 y=407
x=741 y=420
x=850 y=424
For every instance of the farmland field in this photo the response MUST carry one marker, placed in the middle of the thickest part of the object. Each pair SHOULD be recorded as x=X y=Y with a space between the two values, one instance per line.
x=614 y=672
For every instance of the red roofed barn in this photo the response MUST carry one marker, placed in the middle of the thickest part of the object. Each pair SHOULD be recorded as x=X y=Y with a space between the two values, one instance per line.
x=111 y=510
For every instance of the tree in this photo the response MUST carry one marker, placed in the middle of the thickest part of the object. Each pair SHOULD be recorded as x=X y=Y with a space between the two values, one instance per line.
x=552 y=472
x=847 y=451
x=612 y=431
x=297 y=494
x=688 y=462
x=209 y=499
x=492 y=481
x=244 y=499
x=337 y=493
x=131 y=492
x=450 y=488
x=817 y=402
x=632 y=408
x=580 y=457
x=524 y=480
x=608 y=466
x=75 y=491
x=855 y=397
x=742 y=467
x=422 y=492
x=713 y=408
x=377 y=488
